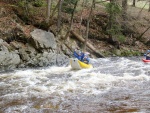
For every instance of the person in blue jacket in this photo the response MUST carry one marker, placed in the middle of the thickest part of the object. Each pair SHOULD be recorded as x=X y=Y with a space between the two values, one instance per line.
x=84 y=57
x=77 y=54
x=147 y=54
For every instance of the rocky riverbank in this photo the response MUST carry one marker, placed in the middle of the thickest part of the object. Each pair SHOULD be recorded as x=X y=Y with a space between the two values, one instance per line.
x=40 y=51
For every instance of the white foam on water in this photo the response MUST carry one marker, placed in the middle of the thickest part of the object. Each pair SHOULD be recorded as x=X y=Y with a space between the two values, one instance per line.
x=79 y=80
x=41 y=83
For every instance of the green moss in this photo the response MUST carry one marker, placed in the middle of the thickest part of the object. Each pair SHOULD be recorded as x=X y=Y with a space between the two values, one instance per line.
x=38 y=3
x=126 y=53
x=130 y=53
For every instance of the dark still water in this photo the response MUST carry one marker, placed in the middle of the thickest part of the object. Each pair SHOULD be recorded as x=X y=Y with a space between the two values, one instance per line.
x=114 y=85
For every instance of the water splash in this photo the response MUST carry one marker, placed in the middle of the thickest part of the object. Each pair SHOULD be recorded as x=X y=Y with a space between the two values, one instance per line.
x=114 y=84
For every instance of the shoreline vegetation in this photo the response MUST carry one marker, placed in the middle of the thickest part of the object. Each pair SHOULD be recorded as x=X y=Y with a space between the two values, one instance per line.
x=37 y=33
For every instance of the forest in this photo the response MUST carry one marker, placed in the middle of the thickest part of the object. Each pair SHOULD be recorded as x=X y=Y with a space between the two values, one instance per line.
x=102 y=27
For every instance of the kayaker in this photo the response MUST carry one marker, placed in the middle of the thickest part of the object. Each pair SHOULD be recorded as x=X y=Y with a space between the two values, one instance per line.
x=86 y=58
x=147 y=55
x=78 y=54
x=82 y=56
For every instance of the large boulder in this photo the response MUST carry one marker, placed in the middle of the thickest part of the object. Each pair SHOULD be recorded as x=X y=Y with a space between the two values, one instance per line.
x=47 y=59
x=43 y=40
x=8 y=60
x=19 y=55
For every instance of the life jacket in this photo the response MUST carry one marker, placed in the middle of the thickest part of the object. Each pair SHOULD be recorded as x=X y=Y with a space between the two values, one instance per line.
x=82 y=56
x=147 y=58
x=79 y=56
x=146 y=54
x=86 y=57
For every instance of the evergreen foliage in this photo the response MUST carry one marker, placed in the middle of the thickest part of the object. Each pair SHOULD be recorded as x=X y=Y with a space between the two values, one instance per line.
x=114 y=29
x=38 y=3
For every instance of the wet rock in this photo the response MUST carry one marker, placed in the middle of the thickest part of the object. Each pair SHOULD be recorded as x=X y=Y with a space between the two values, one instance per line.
x=43 y=40
x=24 y=56
x=9 y=60
x=65 y=50
x=20 y=55
x=62 y=59
x=15 y=44
x=30 y=50
x=52 y=58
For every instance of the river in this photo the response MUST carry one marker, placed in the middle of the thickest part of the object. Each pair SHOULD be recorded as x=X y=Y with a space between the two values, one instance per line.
x=114 y=85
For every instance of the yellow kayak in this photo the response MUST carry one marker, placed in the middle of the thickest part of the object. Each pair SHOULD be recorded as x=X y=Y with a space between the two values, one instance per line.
x=77 y=64
x=84 y=65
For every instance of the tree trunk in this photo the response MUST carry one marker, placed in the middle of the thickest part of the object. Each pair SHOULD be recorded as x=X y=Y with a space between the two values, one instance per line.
x=124 y=9
x=83 y=5
x=26 y=11
x=144 y=32
x=98 y=54
x=59 y=16
x=149 y=6
x=86 y=2
x=110 y=21
x=48 y=10
x=94 y=4
x=88 y=24
x=53 y=12
x=71 y=21
x=133 y=3
x=142 y=9
x=72 y=15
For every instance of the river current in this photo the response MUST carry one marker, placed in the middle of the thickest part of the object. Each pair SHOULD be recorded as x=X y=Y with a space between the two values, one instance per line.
x=114 y=85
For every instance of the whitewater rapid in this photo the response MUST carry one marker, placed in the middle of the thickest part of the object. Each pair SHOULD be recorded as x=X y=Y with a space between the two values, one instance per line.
x=113 y=85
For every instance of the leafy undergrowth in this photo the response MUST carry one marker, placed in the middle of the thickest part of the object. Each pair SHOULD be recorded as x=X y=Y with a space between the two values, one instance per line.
x=98 y=37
